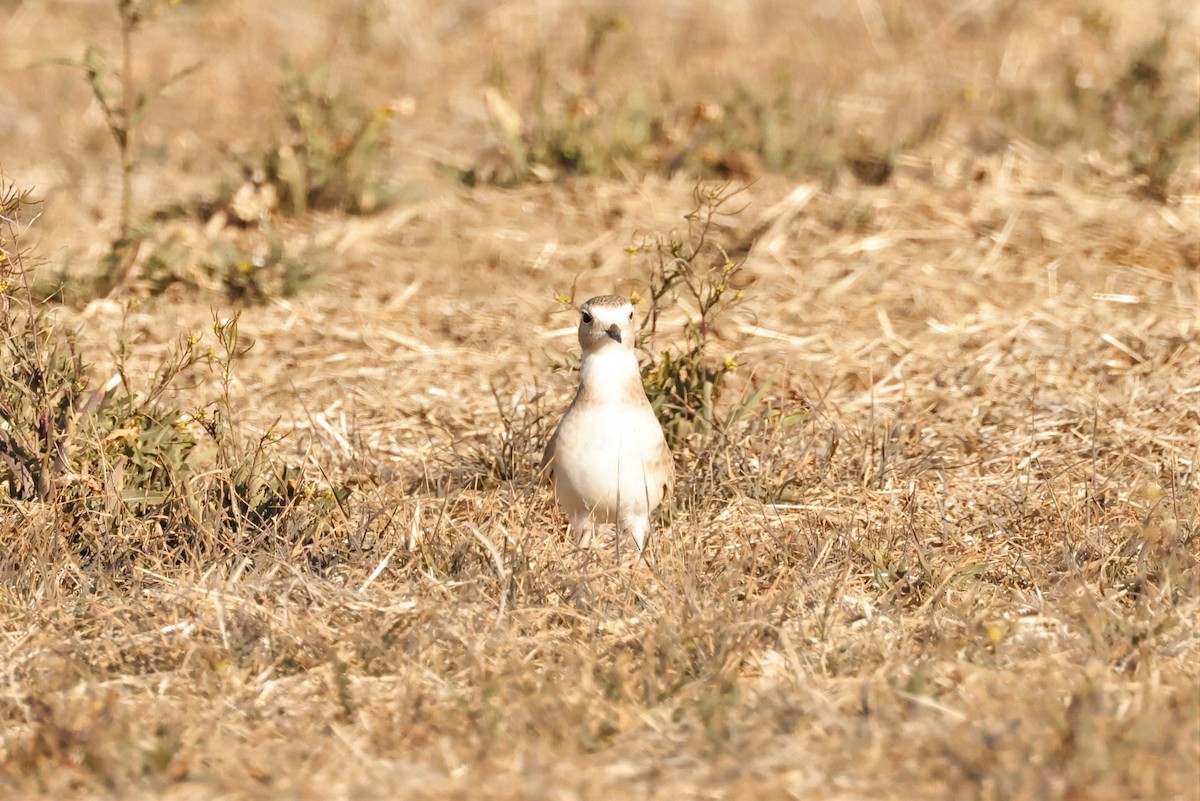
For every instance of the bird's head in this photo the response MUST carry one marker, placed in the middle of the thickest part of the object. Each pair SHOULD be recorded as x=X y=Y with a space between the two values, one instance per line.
x=606 y=321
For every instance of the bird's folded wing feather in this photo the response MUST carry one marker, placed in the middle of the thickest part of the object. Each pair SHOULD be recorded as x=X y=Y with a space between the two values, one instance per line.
x=546 y=470
x=661 y=464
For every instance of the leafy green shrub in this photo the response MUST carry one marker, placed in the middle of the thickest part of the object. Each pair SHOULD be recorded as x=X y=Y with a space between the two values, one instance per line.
x=116 y=456
x=684 y=384
x=563 y=132
x=41 y=375
x=331 y=156
x=1144 y=115
x=124 y=106
x=251 y=264
x=727 y=449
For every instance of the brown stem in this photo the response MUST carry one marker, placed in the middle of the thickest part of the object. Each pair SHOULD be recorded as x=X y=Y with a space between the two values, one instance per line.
x=127 y=111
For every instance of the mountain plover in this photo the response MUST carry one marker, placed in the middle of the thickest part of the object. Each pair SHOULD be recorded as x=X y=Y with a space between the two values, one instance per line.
x=608 y=461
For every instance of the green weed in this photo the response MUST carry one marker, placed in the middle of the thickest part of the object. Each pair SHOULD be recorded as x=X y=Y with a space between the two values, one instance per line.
x=124 y=104
x=124 y=456
x=1139 y=114
x=738 y=133
x=332 y=152
x=686 y=381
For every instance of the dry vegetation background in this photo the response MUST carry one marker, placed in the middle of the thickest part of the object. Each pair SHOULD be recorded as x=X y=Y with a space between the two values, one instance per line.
x=940 y=542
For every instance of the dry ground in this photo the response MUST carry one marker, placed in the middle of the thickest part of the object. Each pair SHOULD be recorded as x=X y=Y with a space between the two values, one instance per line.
x=969 y=570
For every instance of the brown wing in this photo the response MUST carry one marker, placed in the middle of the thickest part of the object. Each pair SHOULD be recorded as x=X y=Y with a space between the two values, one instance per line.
x=546 y=470
x=663 y=464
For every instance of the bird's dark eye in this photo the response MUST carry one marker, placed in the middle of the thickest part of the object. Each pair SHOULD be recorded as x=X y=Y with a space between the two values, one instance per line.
x=631 y=314
x=587 y=318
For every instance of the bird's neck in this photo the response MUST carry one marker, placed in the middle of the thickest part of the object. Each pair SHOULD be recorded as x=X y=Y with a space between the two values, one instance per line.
x=611 y=375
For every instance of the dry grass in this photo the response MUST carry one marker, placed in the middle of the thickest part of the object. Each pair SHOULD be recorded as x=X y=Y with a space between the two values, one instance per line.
x=953 y=555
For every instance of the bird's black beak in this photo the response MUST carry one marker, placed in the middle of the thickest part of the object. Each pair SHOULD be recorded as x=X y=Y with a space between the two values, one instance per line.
x=614 y=332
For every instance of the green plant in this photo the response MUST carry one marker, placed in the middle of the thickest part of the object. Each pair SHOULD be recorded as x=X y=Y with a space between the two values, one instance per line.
x=126 y=452
x=684 y=384
x=332 y=153
x=124 y=106
x=585 y=131
x=1141 y=114
x=256 y=489
x=329 y=158
x=244 y=265
x=60 y=441
x=41 y=374
x=1161 y=131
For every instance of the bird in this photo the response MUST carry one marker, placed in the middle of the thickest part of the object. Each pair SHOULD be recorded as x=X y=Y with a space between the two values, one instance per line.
x=608 y=461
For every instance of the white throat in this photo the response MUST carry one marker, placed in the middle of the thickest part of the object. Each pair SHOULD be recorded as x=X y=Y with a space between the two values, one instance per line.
x=610 y=373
